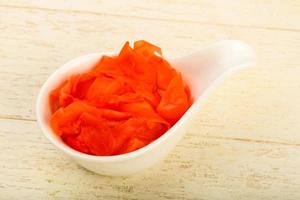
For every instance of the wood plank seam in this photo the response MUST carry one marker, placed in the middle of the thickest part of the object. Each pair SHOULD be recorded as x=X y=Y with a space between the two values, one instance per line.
x=149 y=18
x=248 y=140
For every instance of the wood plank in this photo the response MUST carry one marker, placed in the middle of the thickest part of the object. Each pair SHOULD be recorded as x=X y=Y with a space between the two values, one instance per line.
x=198 y=168
x=260 y=14
x=260 y=103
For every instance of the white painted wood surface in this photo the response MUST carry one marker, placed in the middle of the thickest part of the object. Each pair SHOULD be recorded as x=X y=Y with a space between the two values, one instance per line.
x=243 y=144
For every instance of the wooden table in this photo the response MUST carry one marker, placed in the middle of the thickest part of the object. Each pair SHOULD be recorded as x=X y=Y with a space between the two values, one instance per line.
x=244 y=143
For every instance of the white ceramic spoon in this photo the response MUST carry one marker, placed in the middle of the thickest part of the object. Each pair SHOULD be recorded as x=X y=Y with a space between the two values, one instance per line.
x=202 y=70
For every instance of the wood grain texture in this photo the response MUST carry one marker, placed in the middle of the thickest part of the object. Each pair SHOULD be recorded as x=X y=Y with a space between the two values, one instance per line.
x=268 y=14
x=243 y=144
x=198 y=168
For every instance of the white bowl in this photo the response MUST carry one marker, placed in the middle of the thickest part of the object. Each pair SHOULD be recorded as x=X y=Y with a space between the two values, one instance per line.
x=202 y=70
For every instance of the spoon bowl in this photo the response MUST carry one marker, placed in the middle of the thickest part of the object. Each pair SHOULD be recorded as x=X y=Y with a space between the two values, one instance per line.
x=202 y=70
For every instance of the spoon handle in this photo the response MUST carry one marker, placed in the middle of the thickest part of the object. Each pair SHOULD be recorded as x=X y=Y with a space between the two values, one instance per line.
x=201 y=68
